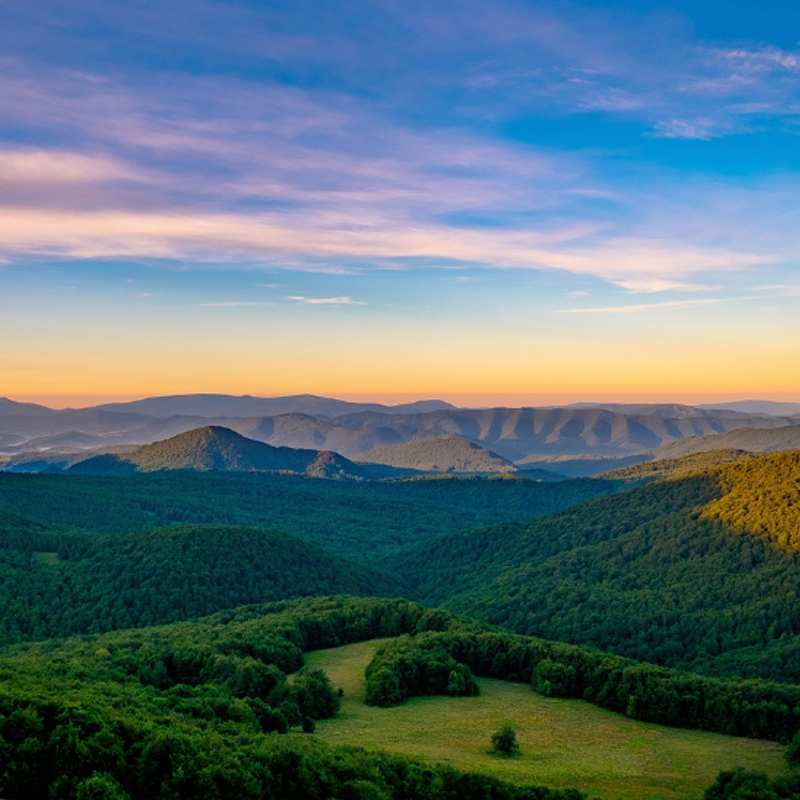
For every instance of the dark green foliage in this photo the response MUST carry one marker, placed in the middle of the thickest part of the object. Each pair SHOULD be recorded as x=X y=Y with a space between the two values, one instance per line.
x=555 y=679
x=419 y=665
x=309 y=725
x=361 y=520
x=409 y=667
x=691 y=573
x=101 y=786
x=78 y=720
x=699 y=572
x=151 y=577
x=314 y=695
x=56 y=580
x=271 y=720
x=793 y=752
x=504 y=741
x=741 y=784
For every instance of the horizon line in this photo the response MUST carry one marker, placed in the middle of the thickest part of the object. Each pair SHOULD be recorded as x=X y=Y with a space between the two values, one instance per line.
x=457 y=399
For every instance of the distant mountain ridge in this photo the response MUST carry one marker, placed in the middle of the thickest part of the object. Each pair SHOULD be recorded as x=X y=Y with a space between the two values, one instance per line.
x=770 y=407
x=221 y=405
x=511 y=433
x=534 y=436
x=753 y=440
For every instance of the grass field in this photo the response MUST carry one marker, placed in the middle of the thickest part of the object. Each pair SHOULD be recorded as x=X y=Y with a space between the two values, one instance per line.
x=563 y=743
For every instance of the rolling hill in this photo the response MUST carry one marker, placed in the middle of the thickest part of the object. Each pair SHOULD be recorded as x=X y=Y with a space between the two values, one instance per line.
x=453 y=455
x=108 y=582
x=196 y=710
x=360 y=520
x=661 y=469
x=753 y=440
x=213 y=448
x=699 y=572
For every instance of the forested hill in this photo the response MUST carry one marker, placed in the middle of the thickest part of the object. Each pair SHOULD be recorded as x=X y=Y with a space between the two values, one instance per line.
x=676 y=467
x=107 y=582
x=361 y=520
x=216 y=448
x=452 y=454
x=699 y=572
x=196 y=709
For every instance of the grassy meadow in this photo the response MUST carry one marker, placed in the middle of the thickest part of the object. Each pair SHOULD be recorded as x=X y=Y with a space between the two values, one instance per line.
x=563 y=743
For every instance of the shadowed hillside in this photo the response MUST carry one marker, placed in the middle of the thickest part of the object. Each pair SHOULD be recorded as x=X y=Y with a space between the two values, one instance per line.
x=216 y=448
x=362 y=520
x=96 y=583
x=513 y=433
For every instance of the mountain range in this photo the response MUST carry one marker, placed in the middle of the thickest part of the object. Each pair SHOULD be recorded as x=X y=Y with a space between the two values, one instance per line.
x=691 y=563
x=213 y=448
x=580 y=440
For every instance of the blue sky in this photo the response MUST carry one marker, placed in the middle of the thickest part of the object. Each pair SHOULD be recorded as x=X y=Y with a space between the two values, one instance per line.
x=517 y=199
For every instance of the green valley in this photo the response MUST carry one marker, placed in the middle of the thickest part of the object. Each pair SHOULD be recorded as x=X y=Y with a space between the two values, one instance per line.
x=663 y=595
x=563 y=743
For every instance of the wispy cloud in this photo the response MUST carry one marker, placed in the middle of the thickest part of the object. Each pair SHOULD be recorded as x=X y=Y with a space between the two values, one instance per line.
x=654 y=285
x=201 y=166
x=703 y=129
x=233 y=304
x=635 y=309
x=325 y=301
x=26 y=166
x=634 y=263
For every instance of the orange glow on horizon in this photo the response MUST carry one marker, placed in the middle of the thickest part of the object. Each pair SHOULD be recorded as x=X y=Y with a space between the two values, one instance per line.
x=460 y=399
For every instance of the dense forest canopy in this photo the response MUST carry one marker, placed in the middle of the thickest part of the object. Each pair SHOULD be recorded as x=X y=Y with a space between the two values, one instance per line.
x=683 y=575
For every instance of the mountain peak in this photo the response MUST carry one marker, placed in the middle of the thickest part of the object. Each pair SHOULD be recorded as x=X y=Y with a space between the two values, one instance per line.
x=216 y=448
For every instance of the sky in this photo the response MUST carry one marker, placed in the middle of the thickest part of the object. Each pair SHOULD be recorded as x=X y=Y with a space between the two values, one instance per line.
x=488 y=202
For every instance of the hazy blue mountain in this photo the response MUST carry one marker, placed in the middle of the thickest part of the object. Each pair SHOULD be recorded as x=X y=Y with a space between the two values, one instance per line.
x=8 y=440
x=770 y=407
x=670 y=410
x=29 y=424
x=514 y=434
x=754 y=440
x=529 y=436
x=12 y=407
x=221 y=405
x=439 y=455
x=68 y=441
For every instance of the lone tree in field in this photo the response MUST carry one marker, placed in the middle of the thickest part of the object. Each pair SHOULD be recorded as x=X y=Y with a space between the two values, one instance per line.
x=504 y=742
